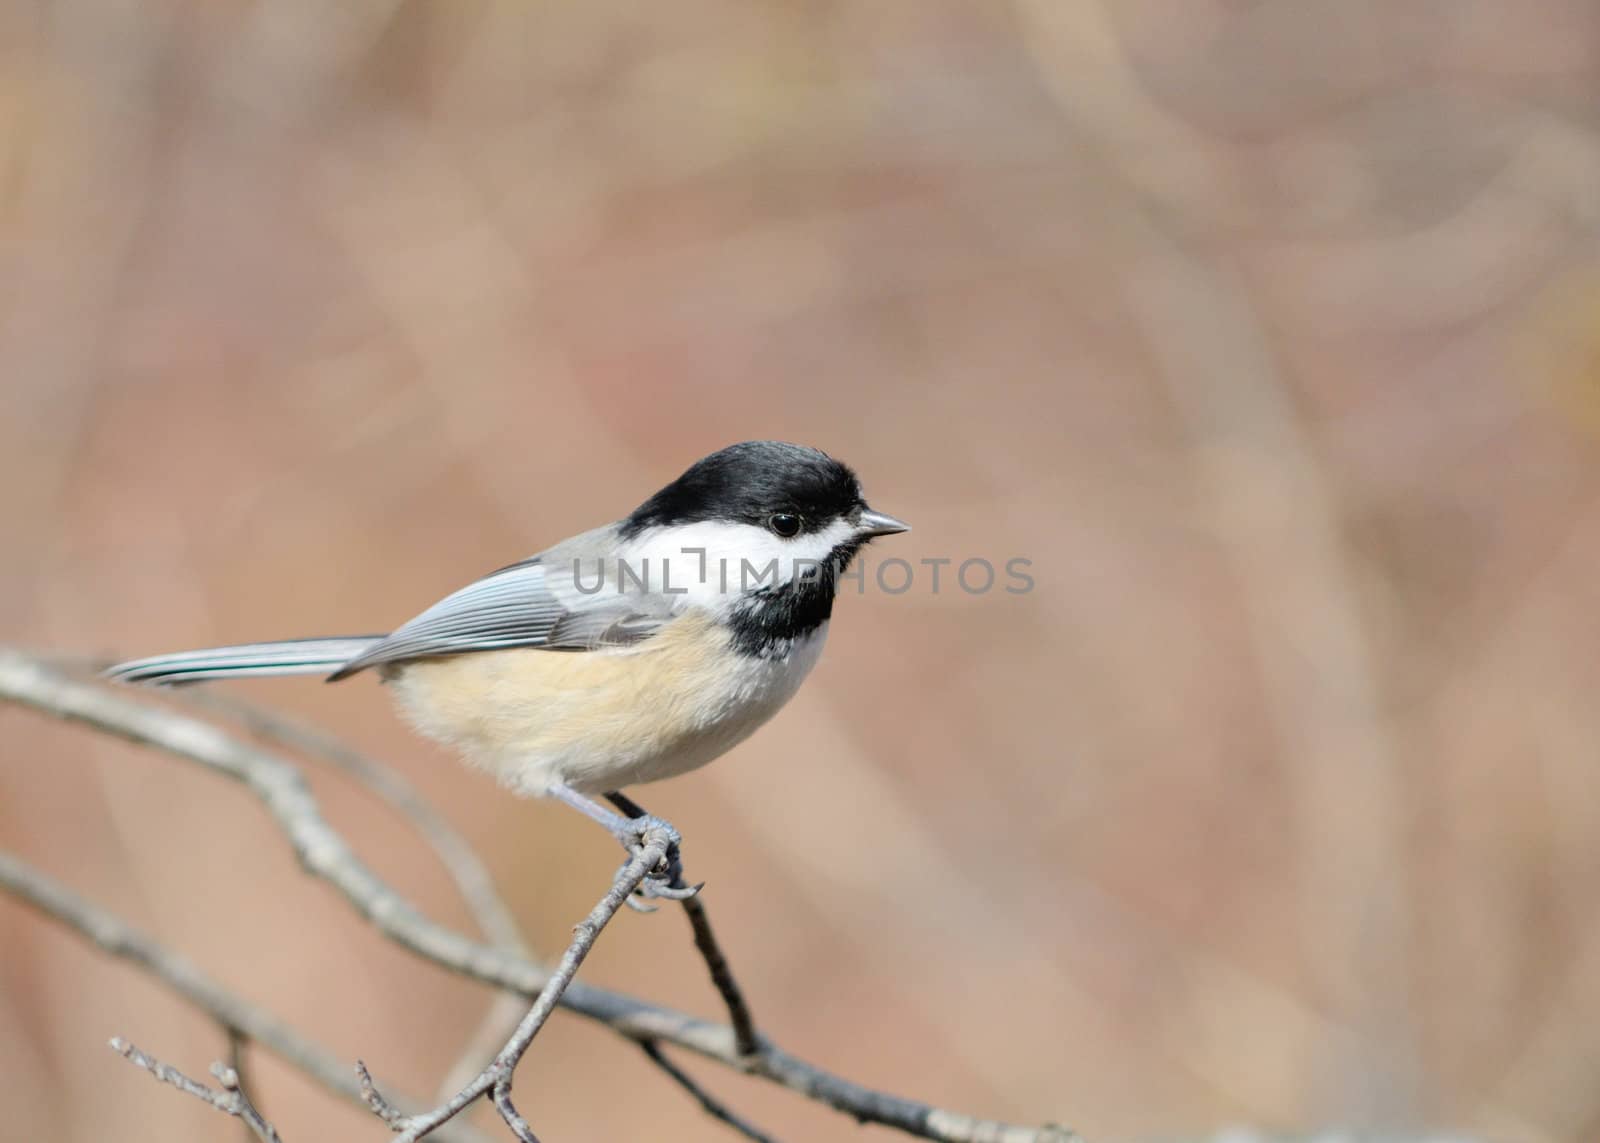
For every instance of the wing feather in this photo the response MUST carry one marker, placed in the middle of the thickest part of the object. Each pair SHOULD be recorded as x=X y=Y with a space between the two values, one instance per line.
x=523 y=605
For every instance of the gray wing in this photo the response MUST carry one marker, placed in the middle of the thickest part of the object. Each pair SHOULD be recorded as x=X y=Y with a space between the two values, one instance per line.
x=529 y=604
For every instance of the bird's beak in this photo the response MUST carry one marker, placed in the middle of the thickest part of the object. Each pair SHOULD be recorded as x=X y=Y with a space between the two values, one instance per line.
x=873 y=523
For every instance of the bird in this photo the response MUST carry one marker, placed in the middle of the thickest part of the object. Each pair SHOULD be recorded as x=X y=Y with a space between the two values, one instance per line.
x=631 y=653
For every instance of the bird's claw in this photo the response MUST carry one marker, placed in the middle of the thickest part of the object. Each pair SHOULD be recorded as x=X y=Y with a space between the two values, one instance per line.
x=631 y=833
x=670 y=889
x=665 y=881
x=661 y=884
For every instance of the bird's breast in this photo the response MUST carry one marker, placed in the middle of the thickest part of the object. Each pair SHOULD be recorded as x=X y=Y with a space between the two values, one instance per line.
x=600 y=720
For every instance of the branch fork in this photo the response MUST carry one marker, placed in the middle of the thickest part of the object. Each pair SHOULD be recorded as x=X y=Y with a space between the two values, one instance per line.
x=229 y=1098
x=495 y=1079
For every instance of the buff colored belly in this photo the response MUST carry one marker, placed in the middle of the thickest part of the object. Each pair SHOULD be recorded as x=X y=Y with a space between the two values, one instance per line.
x=600 y=720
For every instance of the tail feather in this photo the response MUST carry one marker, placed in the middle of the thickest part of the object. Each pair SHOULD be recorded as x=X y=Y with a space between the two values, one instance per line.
x=248 y=660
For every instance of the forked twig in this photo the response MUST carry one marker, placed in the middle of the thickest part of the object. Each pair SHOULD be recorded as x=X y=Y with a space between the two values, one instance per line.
x=495 y=1080
x=705 y=940
x=229 y=1098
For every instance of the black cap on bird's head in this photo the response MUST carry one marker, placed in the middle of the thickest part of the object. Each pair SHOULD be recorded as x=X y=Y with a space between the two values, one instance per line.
x=786 y=488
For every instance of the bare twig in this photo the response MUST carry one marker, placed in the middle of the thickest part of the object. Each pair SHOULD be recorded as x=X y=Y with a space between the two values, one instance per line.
x=238 y=1016
x=496 y=1078
x=230 y=1099
x=708 y=1102
x=745 y=1038
x=325 y=854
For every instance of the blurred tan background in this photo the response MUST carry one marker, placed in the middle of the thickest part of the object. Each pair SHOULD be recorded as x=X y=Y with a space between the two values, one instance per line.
x=1270 y=332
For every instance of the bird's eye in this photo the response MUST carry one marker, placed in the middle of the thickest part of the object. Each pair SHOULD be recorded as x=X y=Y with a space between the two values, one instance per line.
x=785 y=524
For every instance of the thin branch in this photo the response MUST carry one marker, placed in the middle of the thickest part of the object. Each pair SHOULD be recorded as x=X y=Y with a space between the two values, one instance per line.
x=325 y=854
x=746 y=1042
x=240 y=1017
x=745 y=1038
x=230 y=1099
x=496 y=1079
x=708 y=1102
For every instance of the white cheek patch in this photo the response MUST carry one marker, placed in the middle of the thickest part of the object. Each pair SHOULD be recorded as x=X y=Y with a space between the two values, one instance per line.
x=711 y=564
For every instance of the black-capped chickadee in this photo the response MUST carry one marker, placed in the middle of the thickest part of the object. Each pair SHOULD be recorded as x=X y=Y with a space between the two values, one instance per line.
x=630 y=653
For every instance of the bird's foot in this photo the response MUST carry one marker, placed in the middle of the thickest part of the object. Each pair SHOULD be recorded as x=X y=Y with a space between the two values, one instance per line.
x=666 y=879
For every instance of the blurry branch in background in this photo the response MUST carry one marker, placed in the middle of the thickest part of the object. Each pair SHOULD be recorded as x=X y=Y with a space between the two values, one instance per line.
x=323 y=852
x=1275 y=511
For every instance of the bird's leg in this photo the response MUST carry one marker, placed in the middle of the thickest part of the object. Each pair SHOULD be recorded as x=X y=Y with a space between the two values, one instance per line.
x=630 y=831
